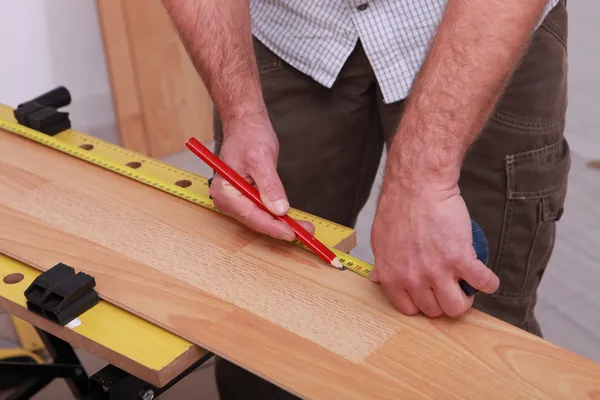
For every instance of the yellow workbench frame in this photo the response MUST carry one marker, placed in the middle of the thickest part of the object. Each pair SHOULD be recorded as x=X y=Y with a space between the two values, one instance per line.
x=119 y=337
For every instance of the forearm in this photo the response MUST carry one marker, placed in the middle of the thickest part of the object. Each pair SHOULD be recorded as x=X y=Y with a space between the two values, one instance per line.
x=475 y=51
x=217 y=36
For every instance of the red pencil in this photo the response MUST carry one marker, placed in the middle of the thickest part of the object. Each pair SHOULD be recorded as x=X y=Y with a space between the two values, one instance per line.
x=250 y=192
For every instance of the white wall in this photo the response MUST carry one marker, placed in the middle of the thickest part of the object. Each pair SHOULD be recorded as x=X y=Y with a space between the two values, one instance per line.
x=584 y=78
x=57 y=42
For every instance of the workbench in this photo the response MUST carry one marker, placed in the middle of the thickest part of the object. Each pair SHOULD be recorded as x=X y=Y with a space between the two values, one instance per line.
x=179 y=278
x=142 y=358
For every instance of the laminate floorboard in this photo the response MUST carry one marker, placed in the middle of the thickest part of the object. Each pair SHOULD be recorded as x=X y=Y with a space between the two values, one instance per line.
x=269 y=306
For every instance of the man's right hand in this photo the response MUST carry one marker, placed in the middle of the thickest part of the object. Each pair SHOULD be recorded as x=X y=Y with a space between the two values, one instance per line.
x=250 y=147
x=218 y=37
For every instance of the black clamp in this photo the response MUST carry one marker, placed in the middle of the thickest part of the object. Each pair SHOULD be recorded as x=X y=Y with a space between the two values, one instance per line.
x=61 y=295
x=41 y=113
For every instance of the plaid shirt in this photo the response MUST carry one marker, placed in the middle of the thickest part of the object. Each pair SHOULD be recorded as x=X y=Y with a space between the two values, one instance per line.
x=317 y=36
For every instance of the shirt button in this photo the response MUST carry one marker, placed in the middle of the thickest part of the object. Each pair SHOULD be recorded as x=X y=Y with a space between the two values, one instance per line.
x=362 y=7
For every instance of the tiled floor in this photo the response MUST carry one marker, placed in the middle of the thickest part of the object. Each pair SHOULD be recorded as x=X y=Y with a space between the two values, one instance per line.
x=569 y=304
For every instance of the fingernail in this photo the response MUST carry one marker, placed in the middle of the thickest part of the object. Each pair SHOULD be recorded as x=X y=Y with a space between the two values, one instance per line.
x=280 y=206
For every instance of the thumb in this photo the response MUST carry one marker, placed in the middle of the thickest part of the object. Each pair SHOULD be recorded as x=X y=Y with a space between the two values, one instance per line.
x=271 y=189
x=373 y=275
x=479 y=276
x=307 y=225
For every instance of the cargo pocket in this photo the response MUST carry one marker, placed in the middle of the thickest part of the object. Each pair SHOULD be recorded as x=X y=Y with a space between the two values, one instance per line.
x=537 y=185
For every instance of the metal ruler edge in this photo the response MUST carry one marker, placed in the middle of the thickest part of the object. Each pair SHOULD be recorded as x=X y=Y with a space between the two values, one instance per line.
x=167 y=178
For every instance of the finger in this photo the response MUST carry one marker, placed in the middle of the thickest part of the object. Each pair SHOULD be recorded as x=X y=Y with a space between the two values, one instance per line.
x=306 y=225
x=373 y=275
x=225 y=193
x=478 y=275
x=233 y=203
x=451 y=298
x=271 y=189
x=263 y=222
x=424 y=298
x=403 y=302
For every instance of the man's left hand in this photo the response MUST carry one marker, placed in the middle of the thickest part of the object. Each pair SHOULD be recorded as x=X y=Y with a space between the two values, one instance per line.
x=422 y=243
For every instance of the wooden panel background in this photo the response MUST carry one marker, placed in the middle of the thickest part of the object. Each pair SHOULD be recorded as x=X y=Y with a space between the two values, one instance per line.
x=160 y=100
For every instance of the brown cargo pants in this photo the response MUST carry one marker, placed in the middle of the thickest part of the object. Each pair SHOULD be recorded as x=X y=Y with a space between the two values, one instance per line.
x=513 y=180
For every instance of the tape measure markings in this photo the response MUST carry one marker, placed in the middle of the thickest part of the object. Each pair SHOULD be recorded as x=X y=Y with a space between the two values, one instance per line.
x=74 y=138
x=160 y=175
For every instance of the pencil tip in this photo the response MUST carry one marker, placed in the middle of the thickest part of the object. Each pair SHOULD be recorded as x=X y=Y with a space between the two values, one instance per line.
x=336 y=263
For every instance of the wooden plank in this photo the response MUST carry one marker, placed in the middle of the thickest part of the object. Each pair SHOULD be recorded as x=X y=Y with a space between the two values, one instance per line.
x=269 y=306
x=153 y=77
x=176 y=103
x=114 y=335
x=123 y=77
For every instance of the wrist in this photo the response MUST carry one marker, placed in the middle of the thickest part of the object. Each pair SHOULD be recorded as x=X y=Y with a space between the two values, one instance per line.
x=239 y=110
x=244 y=116
x=418 y=167
x=249 y=125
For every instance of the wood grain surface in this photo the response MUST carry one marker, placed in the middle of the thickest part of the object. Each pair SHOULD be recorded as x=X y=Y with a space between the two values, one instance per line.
x=269 y=306
x=122 y=74
x=159 y=96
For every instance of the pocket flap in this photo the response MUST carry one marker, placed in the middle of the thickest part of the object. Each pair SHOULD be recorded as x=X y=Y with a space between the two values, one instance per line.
x=538 y=173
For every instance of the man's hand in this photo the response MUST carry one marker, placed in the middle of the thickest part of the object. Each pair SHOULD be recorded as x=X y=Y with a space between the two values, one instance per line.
x=421 y=235
x=251 y=148
x=217 y=36
x=422 y=243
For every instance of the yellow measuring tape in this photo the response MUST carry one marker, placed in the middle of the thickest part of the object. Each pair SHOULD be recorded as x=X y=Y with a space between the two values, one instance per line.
x=178 y=182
